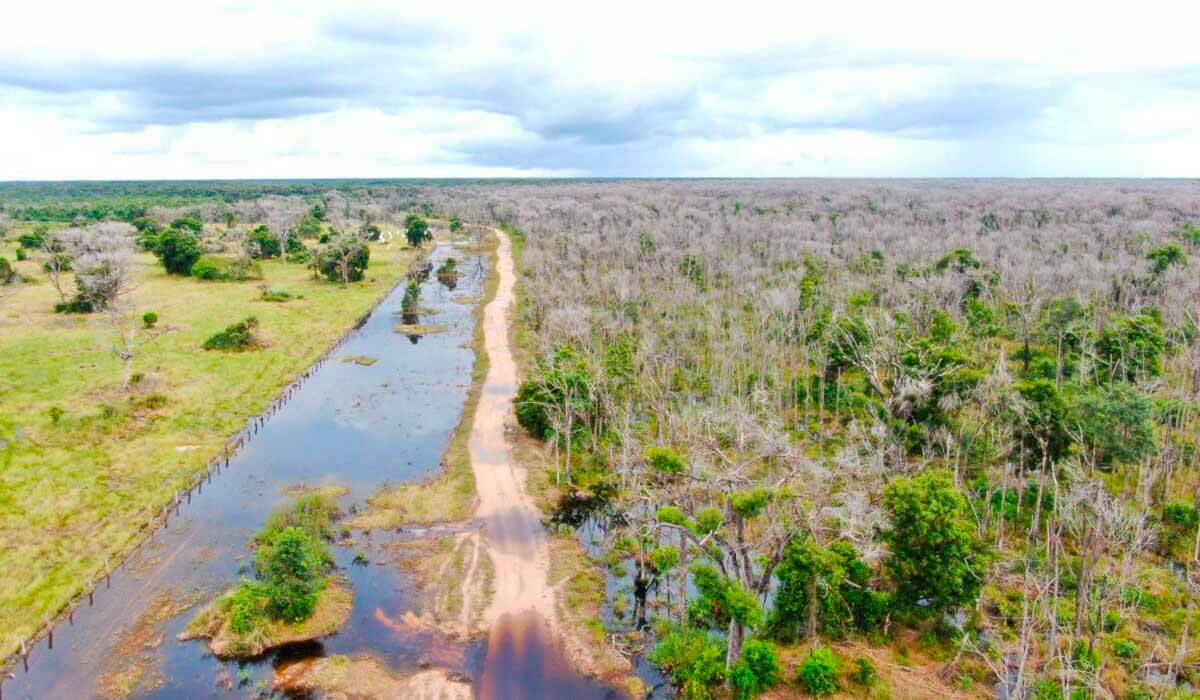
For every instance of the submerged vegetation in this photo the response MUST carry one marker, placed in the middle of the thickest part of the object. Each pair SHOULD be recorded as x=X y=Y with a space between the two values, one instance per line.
x=293 y=595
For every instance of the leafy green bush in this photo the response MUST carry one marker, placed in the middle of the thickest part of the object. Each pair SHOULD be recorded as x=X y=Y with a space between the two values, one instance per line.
x=21 y=254
x=149 y=319
x=1114 y=422
x=694 y=660
x=818 y=673
x=188 y=223
x=32 y=239
x=1164 y=256
x=225 y=268
x=756 y=671
x=178 y=250
x=530 y=407
x=238 y=336
x=261 y=244
x=664 y=460
x=293 y=566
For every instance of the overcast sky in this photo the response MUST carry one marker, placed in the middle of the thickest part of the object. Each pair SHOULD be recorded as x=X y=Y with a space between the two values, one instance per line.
x=118 y=90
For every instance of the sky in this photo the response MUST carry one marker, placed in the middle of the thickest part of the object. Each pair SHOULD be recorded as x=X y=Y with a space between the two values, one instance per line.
x=158 y=90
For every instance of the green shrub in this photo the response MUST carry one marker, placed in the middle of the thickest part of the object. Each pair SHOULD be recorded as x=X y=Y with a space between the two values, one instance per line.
x=226 y=268
x=530 y=407
x=247 y=606
x=55 y=413
x=261 y=244
x=78 y=305
x=188 y=223
x=21 y=254
x=1164 y=256
x=694 y=660
x=33 y=239
x=277 y=295
x=238 y=336
x=1125 y=649
x=58 y=261
x=756 y=671
x=292 y=564
x=818 y=674
x=664 y=460
x=864 y=671
x=178 y=250
x=149 y=319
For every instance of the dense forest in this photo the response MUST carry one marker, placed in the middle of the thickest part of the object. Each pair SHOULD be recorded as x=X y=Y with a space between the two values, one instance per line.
x=838 y=409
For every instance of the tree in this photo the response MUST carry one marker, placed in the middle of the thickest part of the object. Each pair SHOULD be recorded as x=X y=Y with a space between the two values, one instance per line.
x=416 y=230
x=344 y=260
x=283 y=216
x=260 y=244
x=934 y=556
x=1113 y=424
x=1164 y=256
x=178 y=249
x=455 y=224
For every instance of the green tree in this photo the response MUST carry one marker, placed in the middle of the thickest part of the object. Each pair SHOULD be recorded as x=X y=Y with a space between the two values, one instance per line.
x=934 y=556
x=416 y=230
x=345 y=260
x=178 y=249
x=1129 y=348
x=1114 y=424
x=260 y=244
x=455 y=224
x=1164 y=256
x=293 y=566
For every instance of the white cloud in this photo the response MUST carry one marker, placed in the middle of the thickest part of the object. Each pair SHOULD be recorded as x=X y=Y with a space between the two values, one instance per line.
x=307 y=89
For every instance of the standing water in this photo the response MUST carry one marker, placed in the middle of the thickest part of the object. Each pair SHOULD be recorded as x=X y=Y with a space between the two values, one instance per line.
x=359 y=426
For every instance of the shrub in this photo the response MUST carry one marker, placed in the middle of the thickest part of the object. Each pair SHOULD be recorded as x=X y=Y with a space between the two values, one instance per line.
x=277 y=295
x=149 y=319
x=33 y=239
x=60 y=262
x=7 y=273
x=55 y=413
x=178 y=250
x=665 y=461
x=238 y=336
x=226 y=268
x=818 y=673
x=187 y=223
x=1164 y=256
x=693 y=659
x=1125 y=649
x=78 y=305
x=756 y=671
x=21 y=254
x=530 y=407
x=261 y=244
x=864 y=671
x=293 y=566
x=1114 y=423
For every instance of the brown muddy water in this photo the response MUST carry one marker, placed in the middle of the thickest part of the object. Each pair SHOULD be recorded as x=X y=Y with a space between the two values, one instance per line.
x=361 y=426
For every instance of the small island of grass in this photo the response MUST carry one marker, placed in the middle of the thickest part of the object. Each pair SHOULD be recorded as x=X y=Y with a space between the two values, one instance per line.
x=294 y=597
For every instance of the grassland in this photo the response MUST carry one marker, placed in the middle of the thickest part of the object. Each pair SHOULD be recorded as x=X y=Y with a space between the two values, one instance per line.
x=77 y=488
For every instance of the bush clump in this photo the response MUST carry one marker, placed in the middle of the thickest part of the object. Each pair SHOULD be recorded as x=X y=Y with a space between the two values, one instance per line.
x=694 y=660
x=178 y=250
x=7 y=274
x=260 y=244
x=277 y=295
x=226 y=268
x=238 y=336
x=818 y=674
x=756 y=671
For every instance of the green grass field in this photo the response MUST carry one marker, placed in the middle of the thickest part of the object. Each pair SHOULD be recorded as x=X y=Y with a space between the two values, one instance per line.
x=75 y=491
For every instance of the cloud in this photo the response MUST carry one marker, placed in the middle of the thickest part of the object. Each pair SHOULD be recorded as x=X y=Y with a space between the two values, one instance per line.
x=551 y=89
